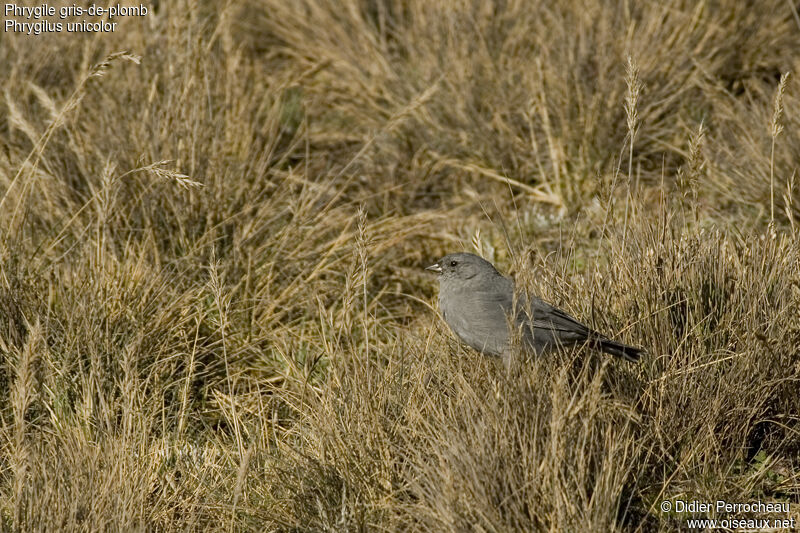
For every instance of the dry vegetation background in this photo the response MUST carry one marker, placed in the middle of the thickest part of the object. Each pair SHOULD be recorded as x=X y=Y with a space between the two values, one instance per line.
x=213 y=312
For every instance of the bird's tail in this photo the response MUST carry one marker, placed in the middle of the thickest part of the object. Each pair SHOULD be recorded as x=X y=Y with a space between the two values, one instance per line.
x=629 y=353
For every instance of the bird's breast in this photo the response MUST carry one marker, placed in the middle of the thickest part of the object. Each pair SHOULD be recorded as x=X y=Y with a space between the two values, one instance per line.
x=479 y=318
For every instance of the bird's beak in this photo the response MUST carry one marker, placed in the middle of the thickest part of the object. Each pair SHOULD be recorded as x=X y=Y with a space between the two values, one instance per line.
x=435 y=268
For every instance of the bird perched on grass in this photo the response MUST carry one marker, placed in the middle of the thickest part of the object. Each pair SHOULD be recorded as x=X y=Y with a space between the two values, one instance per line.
x=476 y=302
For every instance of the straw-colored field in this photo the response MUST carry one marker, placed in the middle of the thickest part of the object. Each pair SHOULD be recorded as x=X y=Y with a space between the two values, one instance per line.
x=214 y=313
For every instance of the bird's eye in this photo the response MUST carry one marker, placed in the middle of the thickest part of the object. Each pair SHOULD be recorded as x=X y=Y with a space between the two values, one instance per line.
x=453 y=263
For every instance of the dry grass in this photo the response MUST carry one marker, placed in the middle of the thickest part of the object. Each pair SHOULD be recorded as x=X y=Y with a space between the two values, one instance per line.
x=213 y=313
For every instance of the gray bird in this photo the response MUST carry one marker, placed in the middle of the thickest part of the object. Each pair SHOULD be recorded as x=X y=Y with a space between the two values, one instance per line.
x=476 y=302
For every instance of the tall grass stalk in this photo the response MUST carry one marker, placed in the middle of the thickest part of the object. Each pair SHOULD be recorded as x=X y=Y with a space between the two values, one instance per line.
x=634 y=86
x=775 y=130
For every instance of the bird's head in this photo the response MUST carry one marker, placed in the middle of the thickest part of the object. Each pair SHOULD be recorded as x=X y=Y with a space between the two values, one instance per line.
x=462 y=266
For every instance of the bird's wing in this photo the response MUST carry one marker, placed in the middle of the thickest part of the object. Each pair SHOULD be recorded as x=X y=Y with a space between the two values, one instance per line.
x=542 y=315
